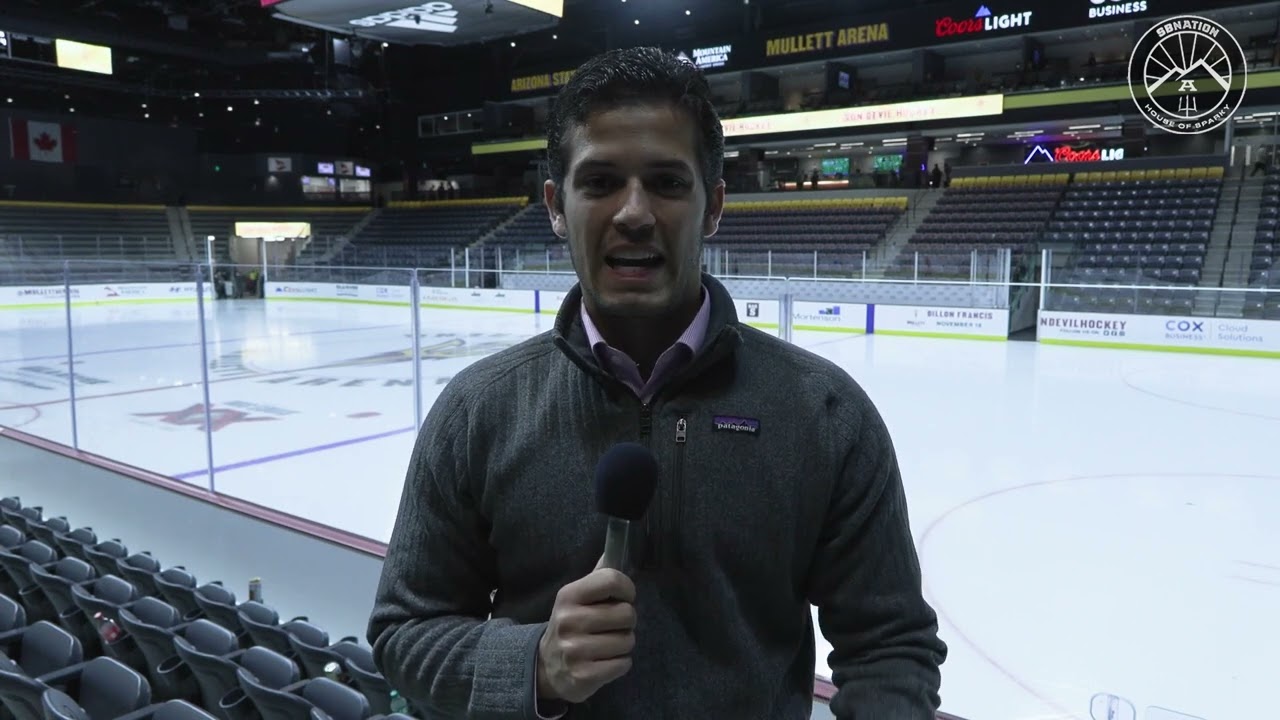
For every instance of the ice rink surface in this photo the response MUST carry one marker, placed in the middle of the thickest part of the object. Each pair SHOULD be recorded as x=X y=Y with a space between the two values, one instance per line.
x=1099 y=529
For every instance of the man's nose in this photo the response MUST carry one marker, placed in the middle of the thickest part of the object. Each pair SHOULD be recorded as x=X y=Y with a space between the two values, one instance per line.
x=636 y=211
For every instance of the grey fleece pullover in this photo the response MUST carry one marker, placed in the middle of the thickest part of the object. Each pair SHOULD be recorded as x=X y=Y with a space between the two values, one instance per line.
x=780 y=488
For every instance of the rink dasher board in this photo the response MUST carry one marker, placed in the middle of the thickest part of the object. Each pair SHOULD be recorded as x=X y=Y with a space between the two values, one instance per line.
x=1167 y=333
x=855 y=318
x=55 y=296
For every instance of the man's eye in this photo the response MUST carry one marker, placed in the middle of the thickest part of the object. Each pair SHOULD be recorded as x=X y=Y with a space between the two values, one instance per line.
x=597 y=183
x=671 y=183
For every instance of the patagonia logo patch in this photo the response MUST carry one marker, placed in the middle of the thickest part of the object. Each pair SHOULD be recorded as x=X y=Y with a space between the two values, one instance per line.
x=735 y=424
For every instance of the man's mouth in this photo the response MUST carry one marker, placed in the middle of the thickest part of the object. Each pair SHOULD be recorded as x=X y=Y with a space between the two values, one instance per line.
x=634 y=260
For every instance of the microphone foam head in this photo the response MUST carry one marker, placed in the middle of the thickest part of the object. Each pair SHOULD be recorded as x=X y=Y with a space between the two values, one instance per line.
x=626 y=477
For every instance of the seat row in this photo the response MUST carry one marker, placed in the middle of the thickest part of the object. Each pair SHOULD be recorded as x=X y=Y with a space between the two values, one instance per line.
x=89 y=631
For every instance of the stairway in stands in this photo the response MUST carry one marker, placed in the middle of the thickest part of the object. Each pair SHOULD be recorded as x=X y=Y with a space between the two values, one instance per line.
x=921 y=204
x=1227 y=263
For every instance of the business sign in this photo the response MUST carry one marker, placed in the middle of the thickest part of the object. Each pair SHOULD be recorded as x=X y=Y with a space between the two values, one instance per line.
x=759 y=314
x=549 y=301
x=707 y=58
x=456 y=22
x=428 y=297
x=829 y=316
x=983 y=21
x=541 y=81
x=933 y=321
x=853 y=117
x=476 y=299
x=1106 y=9
x=346 y=292
x=104 y=294
x=1068 y=154
x=279 y=165
x=852 y=39
x=1158 y=332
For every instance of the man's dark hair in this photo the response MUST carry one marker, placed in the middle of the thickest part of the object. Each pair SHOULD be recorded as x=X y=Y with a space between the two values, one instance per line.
x=631 y=76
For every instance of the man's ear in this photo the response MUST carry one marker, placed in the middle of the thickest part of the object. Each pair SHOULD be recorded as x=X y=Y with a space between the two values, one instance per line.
x=715 y=208
x=556 y=215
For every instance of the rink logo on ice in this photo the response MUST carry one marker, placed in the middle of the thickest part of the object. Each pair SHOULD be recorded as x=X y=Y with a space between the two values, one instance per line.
x=194 y=416
x=260 y=408
x=46 y=377
x=437 y=346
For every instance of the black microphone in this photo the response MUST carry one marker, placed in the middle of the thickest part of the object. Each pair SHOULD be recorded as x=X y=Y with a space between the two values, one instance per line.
x=626 y=477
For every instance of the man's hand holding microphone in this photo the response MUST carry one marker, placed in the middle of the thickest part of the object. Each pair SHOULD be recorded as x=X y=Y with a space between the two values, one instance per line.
x=590 y=636
x=591 y=632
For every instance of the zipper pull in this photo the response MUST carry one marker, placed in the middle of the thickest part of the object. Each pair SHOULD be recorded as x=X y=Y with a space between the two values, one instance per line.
x=681 y=428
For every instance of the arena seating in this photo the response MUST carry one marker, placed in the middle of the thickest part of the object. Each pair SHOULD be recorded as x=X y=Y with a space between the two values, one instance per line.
x=837 y=224
x=420 y=233
x=1264 y=274
x=980 y=214
x=529 y=227
x=220 y=221
x=80 y=642
x=782 y=236
x=1135 y=227
x=1264 y=265
x=48 y=231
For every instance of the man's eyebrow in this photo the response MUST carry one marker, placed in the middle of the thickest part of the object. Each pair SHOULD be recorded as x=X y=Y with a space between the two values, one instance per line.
x=655 y=165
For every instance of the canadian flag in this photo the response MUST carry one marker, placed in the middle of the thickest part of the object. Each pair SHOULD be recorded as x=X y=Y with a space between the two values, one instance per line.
x=42 y=141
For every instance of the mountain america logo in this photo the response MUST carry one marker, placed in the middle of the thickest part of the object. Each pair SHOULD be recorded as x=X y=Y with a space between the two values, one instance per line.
x=438 y=17
x=1182 y=75
x=982 y=21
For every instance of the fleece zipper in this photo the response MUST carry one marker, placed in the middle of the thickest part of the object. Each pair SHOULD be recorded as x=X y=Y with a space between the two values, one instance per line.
x=652 y=527
x=677 y=487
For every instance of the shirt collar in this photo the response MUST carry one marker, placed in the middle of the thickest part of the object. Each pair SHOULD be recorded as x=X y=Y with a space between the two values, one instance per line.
x=693 y=337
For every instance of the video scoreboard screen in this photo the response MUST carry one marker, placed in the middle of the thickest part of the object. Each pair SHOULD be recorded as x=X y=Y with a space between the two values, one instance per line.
x=59 y=52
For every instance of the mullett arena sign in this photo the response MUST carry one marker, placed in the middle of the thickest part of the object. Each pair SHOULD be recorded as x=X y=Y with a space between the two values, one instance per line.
x=815 y=42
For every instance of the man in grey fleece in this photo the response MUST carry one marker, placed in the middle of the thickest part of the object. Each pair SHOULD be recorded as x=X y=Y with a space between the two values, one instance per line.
x=779 y=488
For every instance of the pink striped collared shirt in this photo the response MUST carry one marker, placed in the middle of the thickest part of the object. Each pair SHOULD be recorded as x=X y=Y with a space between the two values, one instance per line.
x=622 y=367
